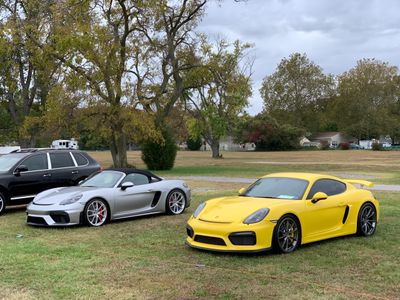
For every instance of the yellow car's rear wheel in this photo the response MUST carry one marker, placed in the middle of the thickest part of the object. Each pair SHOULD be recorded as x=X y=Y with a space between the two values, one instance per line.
x=286 y=236
x=366 y=224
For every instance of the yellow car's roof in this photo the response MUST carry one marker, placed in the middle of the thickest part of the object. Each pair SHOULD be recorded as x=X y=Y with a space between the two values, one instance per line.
x=300 y=175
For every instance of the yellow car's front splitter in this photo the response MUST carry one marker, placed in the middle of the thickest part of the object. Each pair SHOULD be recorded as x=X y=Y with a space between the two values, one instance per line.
x=230 y=237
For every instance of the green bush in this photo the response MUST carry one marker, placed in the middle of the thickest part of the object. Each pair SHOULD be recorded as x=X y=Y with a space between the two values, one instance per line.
x=377 y=147
x=194 y=144
x=160 y=155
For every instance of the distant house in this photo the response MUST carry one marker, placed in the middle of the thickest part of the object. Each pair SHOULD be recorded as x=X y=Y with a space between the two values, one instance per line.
x=228 y=144
x=305 y=142
x=333 y=139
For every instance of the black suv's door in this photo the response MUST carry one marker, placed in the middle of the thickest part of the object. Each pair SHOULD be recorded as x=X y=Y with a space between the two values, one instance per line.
x=64 y=172
x=36 y=179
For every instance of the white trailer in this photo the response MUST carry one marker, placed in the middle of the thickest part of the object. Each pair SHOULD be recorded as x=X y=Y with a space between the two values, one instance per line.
x=64 y=144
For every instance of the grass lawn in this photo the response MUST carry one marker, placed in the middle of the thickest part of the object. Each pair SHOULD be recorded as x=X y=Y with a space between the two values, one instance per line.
x=378 y=166
x=145 y=258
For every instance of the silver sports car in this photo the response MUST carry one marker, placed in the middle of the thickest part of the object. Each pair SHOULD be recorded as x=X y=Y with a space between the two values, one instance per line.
x=109 y=195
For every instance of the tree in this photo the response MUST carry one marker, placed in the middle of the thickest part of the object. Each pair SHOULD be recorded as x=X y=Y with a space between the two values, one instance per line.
x=267 y=134
x=295 y=92
x=167 y=55
x=367 y=104
x=27 y=72
x=95 y=41
x=221 y=91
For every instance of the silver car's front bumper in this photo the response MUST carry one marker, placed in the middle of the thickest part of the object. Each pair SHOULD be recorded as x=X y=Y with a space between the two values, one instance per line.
x=54 y=215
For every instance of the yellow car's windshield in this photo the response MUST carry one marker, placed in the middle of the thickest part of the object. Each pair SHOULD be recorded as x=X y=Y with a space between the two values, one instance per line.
x=277 y=188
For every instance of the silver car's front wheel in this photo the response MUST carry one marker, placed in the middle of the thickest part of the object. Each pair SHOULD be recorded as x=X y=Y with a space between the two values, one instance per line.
x=176 y=202
x=96 y=213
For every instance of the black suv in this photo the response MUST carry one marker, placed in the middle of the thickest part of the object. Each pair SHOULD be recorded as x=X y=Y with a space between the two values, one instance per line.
x=27 y=172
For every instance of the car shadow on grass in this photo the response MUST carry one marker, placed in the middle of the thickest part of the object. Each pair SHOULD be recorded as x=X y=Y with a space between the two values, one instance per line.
x=15 y=209
x=271 y=252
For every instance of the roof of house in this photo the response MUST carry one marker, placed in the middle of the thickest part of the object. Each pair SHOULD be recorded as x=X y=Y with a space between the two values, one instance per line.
x=323 y=135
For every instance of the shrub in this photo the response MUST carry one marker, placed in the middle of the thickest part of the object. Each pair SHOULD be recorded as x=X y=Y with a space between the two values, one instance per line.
x=344 y=146
x=377 y=147
x=160 y=154
x=194 y=144
x=324 y=145
x=267 y=134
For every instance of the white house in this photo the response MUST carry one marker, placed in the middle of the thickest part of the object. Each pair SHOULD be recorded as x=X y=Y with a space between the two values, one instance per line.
x=333 y=139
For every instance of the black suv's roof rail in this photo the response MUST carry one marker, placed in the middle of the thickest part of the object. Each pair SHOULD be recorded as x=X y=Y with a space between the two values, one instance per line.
x=29 y=150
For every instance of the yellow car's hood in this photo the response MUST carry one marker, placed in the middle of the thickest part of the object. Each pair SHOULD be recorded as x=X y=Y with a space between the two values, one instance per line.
x=231 y=209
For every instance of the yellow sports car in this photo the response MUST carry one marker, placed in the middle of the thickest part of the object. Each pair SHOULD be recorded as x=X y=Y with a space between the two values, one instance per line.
x=282 y=211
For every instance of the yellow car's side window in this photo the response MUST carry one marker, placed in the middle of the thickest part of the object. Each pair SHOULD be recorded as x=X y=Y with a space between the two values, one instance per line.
x=328 y=186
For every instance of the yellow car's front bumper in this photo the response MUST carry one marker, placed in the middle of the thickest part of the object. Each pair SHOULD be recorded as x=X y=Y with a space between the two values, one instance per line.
x=230 y=237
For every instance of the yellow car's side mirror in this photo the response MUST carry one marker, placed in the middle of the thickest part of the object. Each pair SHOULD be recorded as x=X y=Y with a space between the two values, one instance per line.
x=242 y=190
x=318 y=197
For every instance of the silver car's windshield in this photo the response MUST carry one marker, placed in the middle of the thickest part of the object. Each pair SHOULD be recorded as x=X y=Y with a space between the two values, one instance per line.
x=106 y=179
x=277 y=187
x=9 y=160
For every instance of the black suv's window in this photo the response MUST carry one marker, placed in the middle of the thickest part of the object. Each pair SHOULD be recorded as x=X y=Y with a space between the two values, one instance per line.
x=136 y=178
x=328 y=186
x=36 y=162
x=80 y=159
x=61 y=160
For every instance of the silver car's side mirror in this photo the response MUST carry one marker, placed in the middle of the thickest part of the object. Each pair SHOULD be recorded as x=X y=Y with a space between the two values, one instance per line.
x=126 y=185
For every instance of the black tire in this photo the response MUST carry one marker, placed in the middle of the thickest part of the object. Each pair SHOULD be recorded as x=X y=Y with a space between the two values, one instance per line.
x=175 y=203
x=96 y=213
x=3 y=202
x=366 y=221
x=287 y=235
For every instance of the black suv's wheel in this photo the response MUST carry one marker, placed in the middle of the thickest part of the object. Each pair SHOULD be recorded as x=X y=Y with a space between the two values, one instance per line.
x=366 y=222
x=286 y=235
x=2 y=203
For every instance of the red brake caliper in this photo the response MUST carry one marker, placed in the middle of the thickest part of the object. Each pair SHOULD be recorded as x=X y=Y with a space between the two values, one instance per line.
x=101 y=213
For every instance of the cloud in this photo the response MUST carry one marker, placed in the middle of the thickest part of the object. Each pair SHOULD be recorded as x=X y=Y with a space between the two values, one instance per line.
x=334 y=34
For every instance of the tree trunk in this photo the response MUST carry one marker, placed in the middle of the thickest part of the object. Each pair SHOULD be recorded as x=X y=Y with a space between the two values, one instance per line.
x=118 y=147
x=215 y=148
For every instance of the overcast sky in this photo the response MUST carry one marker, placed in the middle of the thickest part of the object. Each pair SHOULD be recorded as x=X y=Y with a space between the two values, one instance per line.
x=333 y=34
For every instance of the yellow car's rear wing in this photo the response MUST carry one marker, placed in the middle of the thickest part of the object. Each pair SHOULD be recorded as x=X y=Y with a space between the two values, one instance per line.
x=360 y=182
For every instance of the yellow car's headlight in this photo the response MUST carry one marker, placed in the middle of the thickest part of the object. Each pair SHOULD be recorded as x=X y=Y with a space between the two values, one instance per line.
x=257 y=216
x=199 y=209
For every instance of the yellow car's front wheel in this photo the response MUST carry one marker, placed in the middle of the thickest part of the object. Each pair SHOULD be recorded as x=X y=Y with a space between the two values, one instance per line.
x=287 y=234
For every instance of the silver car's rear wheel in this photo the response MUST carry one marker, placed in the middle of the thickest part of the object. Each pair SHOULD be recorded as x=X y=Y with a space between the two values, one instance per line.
x=176 y=202
x=2 y=203
x=96 y=213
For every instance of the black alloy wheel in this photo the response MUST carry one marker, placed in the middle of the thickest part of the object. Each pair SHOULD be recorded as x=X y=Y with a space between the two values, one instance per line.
x=286 y=235
x=366 y=223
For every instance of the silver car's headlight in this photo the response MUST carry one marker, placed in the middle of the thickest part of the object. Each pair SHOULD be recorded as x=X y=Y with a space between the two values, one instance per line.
x=199 y=209
x=257 y=216
x=71 y=200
